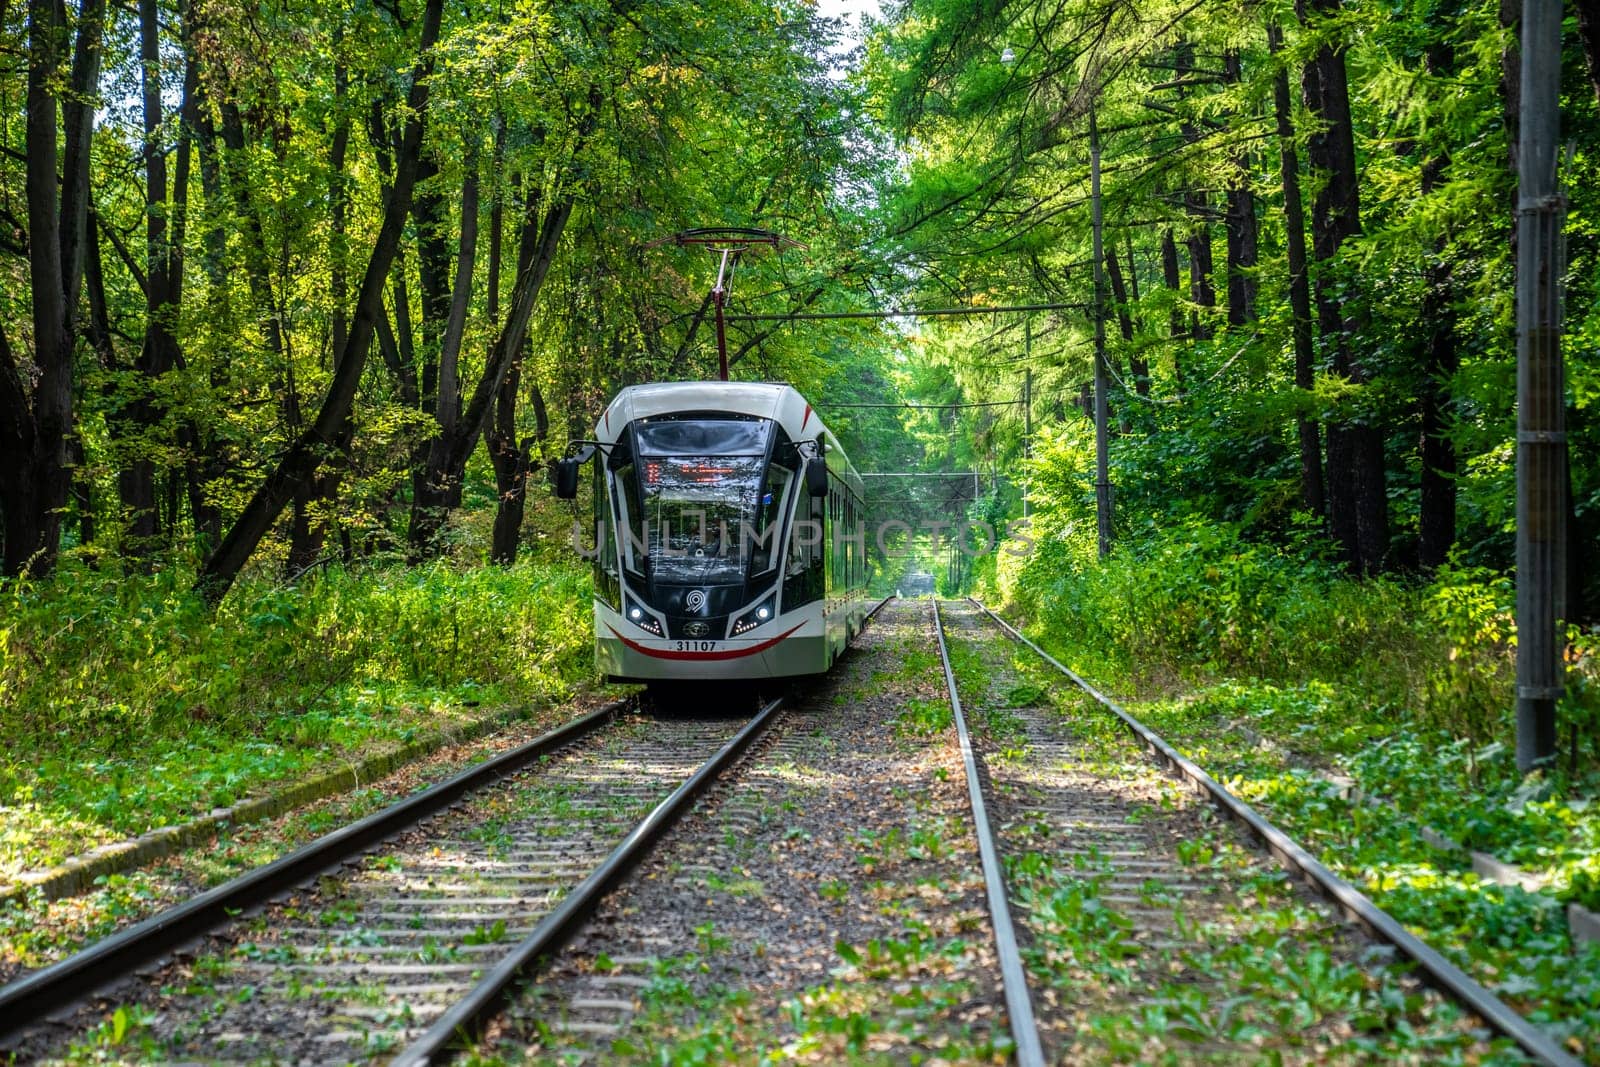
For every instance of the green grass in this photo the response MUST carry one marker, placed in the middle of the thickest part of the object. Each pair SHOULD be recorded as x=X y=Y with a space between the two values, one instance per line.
x=1512 y=941
x=125 y=706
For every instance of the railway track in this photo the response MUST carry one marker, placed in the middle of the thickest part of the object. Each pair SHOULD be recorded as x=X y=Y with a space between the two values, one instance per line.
x=1126 y=869
x=403 y=949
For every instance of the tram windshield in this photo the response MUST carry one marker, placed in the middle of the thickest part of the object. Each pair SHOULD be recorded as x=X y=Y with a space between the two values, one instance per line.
x=700 y=501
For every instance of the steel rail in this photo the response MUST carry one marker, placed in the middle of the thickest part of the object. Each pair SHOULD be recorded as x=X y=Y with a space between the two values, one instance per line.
x=53 y=988
x=466 y=1020
x=1437 y=970
x=1013 y=977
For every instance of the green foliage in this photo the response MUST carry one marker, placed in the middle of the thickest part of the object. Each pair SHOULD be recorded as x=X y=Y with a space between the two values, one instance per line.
x=128 y=706
x=1473 y=610
x=1193 y=596
x=991 y=106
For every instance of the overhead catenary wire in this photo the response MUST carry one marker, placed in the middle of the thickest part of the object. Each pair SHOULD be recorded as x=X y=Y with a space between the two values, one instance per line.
x=906 y=313
x=934 y=407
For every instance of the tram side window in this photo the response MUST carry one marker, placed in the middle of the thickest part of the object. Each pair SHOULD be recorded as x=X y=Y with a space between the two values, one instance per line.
x=856 y=546
x=803 y=575
x=849 y=544
x=835 y=548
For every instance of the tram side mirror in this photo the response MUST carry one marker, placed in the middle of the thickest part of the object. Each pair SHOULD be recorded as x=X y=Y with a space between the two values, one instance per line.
x=566 y=478
x=816 y=476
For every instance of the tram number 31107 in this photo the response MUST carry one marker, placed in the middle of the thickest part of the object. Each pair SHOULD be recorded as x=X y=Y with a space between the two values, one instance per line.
x=696 y=646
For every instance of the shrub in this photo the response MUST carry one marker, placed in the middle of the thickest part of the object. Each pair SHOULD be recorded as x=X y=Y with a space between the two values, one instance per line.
x=95 y=659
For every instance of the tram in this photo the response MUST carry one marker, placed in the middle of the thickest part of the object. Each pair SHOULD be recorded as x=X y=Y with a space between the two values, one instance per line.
x=729 y=539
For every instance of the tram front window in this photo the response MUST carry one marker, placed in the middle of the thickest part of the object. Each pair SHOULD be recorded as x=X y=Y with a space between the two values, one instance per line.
x=702 y=503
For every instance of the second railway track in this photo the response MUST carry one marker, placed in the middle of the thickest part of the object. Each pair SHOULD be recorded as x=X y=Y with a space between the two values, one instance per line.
x=1141 y=935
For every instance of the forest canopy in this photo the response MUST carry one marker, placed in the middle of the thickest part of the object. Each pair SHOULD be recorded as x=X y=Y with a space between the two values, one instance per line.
x=295 y=284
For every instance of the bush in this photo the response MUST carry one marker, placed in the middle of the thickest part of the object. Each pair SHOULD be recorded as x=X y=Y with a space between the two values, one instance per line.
x=125 y=704
x=1195 y=597
x=89 y=657
x=1193 y=600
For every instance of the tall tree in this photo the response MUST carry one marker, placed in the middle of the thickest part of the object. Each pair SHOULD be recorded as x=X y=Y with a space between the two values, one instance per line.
x=1240 y=219
x=1358 y=500
x=441 y=390
x=510 y=457
x=294 y=472
x=1439 y=363
x=1294 y=222
x=1179 y=330
x=36 y=418
x=163 y=273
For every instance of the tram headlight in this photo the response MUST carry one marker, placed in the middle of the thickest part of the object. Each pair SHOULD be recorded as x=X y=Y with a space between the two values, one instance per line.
x=641 y=618
x=762 y=612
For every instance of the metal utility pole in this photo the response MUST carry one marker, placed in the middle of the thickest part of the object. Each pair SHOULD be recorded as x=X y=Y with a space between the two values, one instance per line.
x=1102 y=407
x=1541 y=391
x=719 y=297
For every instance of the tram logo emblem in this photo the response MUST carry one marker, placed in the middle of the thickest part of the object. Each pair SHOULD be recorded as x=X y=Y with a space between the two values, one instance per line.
x=696 y=629
x=696 y=600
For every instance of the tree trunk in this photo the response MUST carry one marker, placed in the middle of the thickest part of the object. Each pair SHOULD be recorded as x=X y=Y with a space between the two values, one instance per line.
x=215 y=241
x=1305 y=362
x=1439 y=363
x=35 y=481
x=433 y=489
x=1201 y=291
x=1241 y=223
x=77 y=122
x=1119 y=293
x=1357 y=489
x=1136 y=362
x=136 y=482
x=512 y=463
x=339 y=202
x=1196 y=205
x=1180 y=332
x=509 y=458
x=433 y=276
x=295 y=470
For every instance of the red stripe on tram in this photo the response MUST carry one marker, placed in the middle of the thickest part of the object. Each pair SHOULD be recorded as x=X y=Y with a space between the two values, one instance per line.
x=735 y=653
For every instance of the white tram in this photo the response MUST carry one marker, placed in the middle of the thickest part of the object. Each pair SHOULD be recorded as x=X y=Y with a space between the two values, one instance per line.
x=729 y=534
